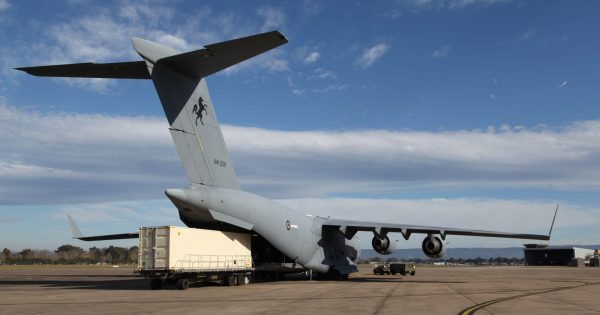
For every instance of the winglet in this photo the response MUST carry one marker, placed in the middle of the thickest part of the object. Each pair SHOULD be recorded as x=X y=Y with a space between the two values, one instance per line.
x=553 y=219
x=74 y=229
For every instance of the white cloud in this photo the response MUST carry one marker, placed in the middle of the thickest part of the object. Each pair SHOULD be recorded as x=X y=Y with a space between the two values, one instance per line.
x=54 y=157
x=376 y=160
x=563 y=84
x=278 y=65
x=442 y=52
x=425 y=5
x=324 y=74
x=105 y=36
x=528 y=34
x=371 y=54
x=8 y=169
x=331 y=87
x=274 y=18
x=312 y=57
x=59 y=157
x=4 y=5
x=312 y=6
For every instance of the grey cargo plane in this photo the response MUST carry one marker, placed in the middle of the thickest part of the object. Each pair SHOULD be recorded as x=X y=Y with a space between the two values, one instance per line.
x=214 y=199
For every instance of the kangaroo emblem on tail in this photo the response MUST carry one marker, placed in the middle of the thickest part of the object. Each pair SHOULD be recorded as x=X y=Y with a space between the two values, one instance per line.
x=198 y=109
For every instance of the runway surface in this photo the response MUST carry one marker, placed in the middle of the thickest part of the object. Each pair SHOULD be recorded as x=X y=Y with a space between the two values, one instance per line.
x=433 y=290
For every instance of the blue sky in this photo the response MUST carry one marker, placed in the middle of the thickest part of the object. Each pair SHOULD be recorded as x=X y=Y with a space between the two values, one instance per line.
x=467 y=113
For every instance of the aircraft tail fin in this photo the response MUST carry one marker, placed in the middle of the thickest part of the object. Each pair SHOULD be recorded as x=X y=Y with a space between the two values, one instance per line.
x=180 y=84
x=181 y=87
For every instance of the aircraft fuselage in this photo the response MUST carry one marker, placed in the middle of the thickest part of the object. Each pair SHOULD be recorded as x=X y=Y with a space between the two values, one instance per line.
x=300 y=237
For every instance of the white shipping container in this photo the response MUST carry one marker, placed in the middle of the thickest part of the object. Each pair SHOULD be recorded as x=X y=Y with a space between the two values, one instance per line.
x=195 y=250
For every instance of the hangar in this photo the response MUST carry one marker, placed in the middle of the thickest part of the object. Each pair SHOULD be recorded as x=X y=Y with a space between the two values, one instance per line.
x=544 y=255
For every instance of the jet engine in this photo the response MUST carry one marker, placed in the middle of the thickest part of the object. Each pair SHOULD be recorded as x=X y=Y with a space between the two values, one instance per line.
x=433 y=247
x=383 y=245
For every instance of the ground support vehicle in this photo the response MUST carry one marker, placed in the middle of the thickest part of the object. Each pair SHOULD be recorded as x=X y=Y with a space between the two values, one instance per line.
x=381 y=269
x=402 y=269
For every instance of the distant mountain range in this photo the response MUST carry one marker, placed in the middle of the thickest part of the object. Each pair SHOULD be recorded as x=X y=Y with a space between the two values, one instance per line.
x=464 y=253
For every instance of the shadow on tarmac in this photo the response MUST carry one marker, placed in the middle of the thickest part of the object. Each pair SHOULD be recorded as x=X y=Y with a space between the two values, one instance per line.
x=130 y=283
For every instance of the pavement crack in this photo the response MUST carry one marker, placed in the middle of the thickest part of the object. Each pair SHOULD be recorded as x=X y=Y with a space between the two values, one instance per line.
x=385 y=298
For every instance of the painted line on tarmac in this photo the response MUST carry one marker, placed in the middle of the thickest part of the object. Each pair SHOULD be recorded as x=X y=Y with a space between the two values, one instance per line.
x=471 y=310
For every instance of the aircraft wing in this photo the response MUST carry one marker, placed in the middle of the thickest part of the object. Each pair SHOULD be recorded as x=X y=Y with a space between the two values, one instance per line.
x=349 y=228
x=78 y=235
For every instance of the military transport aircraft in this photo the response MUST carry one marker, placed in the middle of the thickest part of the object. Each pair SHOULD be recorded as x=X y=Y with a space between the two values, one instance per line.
x=214 y=199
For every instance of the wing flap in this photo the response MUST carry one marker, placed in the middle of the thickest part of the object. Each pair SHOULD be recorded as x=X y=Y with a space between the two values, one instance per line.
x=117 y=70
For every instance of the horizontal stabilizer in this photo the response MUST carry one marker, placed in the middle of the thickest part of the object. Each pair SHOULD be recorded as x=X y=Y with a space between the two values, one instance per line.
x=216 y=57
x=196 y=64
x=118 y=70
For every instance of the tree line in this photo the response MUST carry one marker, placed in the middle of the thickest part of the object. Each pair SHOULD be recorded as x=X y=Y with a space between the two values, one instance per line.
x=69 y=254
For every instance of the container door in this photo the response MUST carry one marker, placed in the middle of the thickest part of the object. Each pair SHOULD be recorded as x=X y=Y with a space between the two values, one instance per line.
x=161 y=248
x=146 y=255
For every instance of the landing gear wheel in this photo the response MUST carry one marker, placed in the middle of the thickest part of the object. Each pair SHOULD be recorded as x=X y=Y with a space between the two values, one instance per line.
x=156 y=284
x=183 y=284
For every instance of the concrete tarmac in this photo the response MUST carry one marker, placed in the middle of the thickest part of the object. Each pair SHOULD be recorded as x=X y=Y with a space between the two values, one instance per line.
x=433 y=290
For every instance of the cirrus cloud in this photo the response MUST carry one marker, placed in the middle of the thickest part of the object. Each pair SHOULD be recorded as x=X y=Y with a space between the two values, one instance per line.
x=369 y=55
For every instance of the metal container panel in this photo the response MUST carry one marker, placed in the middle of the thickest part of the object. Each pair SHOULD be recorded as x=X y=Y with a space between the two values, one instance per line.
x=179 y=248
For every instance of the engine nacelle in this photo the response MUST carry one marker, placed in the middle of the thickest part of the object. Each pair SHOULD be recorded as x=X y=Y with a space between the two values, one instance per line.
x=384 y=245
x=433 y=247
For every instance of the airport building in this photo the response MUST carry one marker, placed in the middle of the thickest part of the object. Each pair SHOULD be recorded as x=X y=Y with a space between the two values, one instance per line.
x=544 y=255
